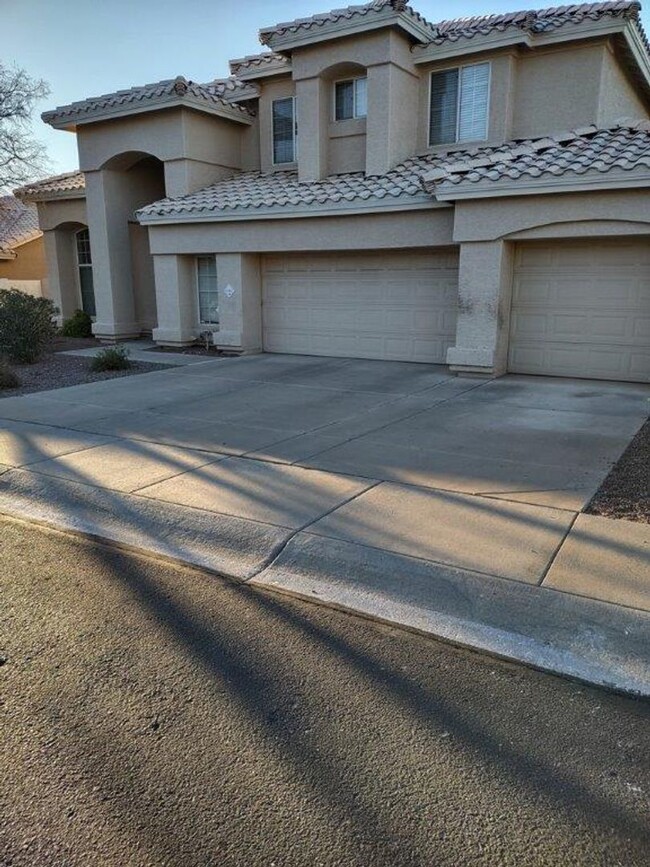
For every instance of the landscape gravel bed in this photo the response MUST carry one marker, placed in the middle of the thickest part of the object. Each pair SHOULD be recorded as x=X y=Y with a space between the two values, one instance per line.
x=625 y=493
x=59 y=371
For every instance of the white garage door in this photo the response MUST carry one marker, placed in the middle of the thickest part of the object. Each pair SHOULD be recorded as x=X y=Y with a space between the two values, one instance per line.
x=399 y=306
x=582 y=309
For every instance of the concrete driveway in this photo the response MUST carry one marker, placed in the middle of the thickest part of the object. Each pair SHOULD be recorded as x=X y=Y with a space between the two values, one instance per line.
x=298 y=471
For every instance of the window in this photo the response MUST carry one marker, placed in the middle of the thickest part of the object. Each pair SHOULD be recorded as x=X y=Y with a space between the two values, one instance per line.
x=351 y=98
x=206 y=271
x=459 y=104
x=85 y=266
x=284 y=130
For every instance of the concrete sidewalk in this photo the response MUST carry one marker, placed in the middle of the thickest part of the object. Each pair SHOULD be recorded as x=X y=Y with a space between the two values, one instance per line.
x=524 y=575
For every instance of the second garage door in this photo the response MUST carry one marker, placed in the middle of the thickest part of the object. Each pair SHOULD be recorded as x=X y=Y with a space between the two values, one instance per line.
x=397 y=306
x=582 y=309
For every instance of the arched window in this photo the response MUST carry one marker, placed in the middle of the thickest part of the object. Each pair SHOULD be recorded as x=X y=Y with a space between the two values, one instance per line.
x=85 y=264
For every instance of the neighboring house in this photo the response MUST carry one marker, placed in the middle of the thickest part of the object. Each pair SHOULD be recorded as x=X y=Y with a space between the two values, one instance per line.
x=378 y=186
x=22 y=255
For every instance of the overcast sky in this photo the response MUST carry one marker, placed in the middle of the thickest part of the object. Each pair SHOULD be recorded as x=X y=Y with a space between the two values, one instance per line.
x=89 y=47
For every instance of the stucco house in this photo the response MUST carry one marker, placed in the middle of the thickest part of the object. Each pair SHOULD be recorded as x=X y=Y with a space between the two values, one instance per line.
x=22 y=253
x=473 y=192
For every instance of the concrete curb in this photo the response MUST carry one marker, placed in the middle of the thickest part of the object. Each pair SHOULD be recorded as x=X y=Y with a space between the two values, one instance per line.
x=591 y=641
x=234 y=547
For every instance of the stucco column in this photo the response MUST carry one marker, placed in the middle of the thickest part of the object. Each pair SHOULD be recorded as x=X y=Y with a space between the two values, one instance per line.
x=484 y=292
x=392 y=117
x=61 y=271
x=240 y=302
x=107 y=202
x=312 y=109
x=176 y=300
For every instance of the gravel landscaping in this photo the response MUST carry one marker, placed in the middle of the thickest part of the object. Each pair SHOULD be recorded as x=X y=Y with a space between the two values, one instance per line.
x=625 y=493
x=59 y=371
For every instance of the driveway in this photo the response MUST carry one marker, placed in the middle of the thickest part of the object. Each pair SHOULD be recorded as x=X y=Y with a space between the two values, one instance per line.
x=295 y=471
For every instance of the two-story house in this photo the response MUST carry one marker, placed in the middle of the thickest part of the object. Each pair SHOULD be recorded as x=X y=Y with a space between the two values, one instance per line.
x=473 y=192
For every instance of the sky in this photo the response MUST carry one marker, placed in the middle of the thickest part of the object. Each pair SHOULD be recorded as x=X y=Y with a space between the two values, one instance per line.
x=86 y=48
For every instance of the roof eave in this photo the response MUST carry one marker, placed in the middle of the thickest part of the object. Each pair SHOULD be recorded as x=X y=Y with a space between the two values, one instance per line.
x=71 y=120
x=33 y=236
x=477 y=44
x=637 y=49
x=37 y=197
x=516 y=36
x=279 y=212
x=546 y=185
x=348 y=27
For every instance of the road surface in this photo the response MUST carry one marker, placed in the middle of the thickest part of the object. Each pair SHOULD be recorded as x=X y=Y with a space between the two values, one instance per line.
x=157 y=715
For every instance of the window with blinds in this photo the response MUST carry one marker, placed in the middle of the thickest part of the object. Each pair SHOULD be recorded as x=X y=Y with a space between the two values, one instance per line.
x=459 y=104
x=206 y=279
x=284 y=130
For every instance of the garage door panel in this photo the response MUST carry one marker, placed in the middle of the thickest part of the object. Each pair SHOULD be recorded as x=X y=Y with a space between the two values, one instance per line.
x=399 y=306
x=582 y=310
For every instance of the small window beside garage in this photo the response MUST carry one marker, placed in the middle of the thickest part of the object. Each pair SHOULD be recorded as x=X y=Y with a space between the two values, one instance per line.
x=206 y=271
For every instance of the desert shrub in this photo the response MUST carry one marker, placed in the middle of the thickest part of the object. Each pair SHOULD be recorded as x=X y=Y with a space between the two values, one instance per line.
x=111 y=358
x=8 y=378
x=26 y=325
x=78 y=325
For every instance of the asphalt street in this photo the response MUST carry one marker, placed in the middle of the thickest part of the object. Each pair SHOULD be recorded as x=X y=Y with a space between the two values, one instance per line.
x=158 y=715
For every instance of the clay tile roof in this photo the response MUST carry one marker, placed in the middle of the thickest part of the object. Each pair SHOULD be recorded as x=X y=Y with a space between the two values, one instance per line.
x=258 y=62
x=57 y=186
x=249 y=194
x=18 y=223
x=451 y=30
x=534 y=21
x=623 y=147
x=336 y=16
x=212 y=95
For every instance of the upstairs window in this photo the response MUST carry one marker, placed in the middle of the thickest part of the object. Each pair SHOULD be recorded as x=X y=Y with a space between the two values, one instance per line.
x=206 y=278
x=459 y=104
x=284 y=130
x=351 y=98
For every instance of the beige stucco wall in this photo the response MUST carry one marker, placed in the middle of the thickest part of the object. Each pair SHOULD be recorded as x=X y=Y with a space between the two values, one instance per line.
x=418 y=228
x=568 y=214
x=29 y=264
x=196 y=148
x=557 y=89
x=618 y=96
x=57 y=212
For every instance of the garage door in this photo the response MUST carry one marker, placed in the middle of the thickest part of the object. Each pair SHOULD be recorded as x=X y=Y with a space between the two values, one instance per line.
x=582 y=309
x=399 y=306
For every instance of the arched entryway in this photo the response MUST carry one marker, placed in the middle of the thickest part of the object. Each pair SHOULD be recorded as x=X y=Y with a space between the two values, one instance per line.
x=123 y=268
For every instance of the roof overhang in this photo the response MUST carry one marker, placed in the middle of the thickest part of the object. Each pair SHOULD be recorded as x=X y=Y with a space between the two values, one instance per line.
x=299 y=36
x=334 y=209
x=546 y=185
x=252 y=67
x=516 y=36
x=69 y=118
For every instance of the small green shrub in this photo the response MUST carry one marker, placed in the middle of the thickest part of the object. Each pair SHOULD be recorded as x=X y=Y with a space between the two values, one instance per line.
x=111 y=358
x=78 y=325
x=26 y=325
x=8 y=378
